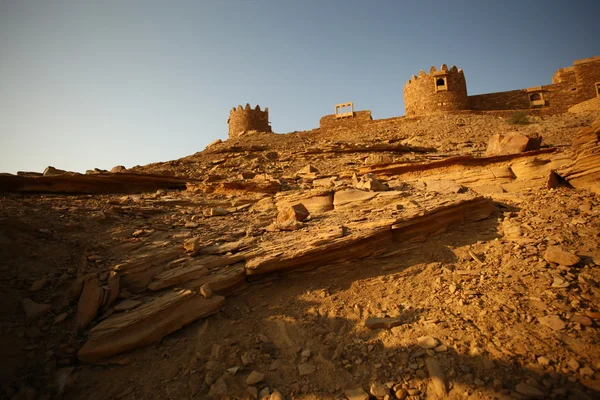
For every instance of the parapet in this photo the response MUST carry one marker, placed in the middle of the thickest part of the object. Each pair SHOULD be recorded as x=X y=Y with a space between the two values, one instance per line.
x=243 y=120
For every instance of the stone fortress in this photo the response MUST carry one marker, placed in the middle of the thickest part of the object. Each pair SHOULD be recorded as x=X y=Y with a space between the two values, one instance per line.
x=444 y=91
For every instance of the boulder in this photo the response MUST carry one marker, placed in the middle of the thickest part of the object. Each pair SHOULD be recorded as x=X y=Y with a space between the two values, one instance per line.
x=118 y=168
x=512 y=143
x=146 y=324
x=51 y=171
x=296 y=212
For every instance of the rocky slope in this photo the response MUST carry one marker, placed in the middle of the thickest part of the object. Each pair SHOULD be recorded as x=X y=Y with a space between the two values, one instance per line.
x=394 y=263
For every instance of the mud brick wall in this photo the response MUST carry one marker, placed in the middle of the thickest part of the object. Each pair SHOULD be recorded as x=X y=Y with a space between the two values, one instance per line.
x=242 y=120
x=421 y=97
x=360 y=118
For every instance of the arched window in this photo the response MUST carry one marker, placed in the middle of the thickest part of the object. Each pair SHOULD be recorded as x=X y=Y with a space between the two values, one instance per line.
x=535 y=97
x=441 y=84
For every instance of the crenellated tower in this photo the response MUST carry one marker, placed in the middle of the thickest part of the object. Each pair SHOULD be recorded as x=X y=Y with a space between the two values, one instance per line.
x=438 y=91
x=242 y=120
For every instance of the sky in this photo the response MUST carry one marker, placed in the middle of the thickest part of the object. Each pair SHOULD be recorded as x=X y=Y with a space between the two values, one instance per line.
x=97 y=83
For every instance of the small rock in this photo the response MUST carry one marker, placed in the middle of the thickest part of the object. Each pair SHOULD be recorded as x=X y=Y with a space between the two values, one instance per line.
x=308 y=170
x=296 y=212
x=254 y=378
x=305 y=369
x=553 y=322
x=413 y=392
x=543 y=360
x=555 y=254
x=217 y=212
x=379 y=390
x=586 y=371
x=60 y=318
x=246 y=359
x=252 y=391
x=38 y=285
x=529 y=391
x=206 y=291
x=192 y=245
x=427 y=342
x=356 y=394
x=216 y=352
x=33 y=309
x=369 y=182
x=382 y=323
x=276 y=395
x=401 y=394
x=233 y=370
x=582 y=320
x=264 y=393
x=573 y=364
x=117 y=169
x=189 y=225
x=560 y=283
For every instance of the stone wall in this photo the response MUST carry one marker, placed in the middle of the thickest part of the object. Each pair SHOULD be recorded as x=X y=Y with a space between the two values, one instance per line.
x=511 y=100
x=360 y=118
x=570 y=86
x=423 y=95
x=242 y=120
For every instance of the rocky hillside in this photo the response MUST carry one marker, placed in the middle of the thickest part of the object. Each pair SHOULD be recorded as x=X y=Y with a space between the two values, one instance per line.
x=443 y=257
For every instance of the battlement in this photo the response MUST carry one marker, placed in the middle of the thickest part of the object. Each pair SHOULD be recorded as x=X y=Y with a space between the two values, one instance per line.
x=434 y=73
x=248 y=108
x=242 y=120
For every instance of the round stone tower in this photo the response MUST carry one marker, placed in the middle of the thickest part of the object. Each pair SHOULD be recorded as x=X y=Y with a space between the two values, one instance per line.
x=242 y=120
x=437 y=92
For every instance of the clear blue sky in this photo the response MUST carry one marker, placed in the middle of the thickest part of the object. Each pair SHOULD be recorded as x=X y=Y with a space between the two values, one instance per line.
x=87 y=84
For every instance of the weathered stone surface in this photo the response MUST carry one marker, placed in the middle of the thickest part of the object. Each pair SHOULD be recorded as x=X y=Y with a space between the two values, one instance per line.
x=512 y=143
x=91 y=184
x=349 y=196
x=127 y=305
x=308 y=170
x=584 y=172
x=33 y=309
x=296 y=212
x=146 y=324
x=223 y=278
x=177 y=275
x=89 y=302
x=138 y=273
x=305 y=369
x=555 y=254
x=444 y=186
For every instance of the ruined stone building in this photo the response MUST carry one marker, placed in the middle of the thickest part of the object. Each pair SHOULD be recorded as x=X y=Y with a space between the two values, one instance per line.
x=243 y=120
x=445 y=91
